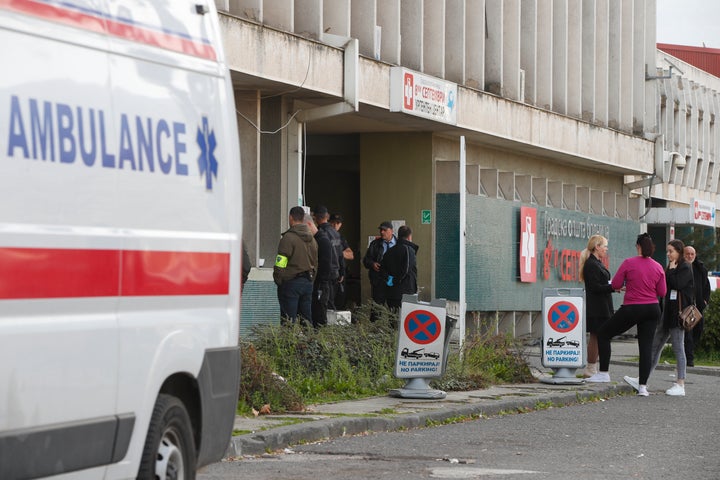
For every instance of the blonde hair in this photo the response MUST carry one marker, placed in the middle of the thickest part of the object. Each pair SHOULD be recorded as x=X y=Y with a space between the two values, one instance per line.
x=594 y=242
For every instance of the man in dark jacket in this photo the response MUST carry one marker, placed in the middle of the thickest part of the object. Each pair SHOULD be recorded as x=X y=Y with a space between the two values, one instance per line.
x=702 y=297
x=246 y=266
x=399 y=268
x=295 y=267
x=331 y=266
x=374 y=255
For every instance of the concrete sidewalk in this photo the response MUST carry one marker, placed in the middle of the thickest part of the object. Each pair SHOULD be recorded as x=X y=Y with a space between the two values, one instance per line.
x=376 y=414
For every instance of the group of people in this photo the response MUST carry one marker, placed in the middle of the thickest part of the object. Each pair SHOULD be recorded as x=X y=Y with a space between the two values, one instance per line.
x=682 y=282
x=309 y=266
x=392 y=266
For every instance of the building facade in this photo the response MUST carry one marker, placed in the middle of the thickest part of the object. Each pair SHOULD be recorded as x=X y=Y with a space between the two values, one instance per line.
x=371 y=107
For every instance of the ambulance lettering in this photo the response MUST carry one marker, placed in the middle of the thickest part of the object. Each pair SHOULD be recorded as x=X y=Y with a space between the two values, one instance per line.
x=57 y=132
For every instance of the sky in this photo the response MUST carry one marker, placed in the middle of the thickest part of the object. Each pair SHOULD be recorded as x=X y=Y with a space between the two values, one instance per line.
x=689 y=22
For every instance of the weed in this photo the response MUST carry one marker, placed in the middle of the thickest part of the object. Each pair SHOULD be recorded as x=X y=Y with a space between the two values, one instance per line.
x=544 y=405
x=486 y=360
x=289 y=366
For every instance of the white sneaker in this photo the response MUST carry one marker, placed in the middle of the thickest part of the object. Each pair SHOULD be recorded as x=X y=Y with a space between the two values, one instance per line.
x=642 y=391
x=632 y=381
x=600 y=377
x=590 y=370
x=676 y=390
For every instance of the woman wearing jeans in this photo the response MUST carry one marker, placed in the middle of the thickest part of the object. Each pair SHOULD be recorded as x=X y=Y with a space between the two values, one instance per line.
x=680 y=290
x=644 y=281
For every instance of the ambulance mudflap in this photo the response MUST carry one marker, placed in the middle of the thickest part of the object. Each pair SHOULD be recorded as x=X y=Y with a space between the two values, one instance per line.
x=120 y=234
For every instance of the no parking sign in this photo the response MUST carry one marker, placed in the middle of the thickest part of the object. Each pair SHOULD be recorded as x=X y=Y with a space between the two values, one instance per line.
x=421 y=340
x=563 y=327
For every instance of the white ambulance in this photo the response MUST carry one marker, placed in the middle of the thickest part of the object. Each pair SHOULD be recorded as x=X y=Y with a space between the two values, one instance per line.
x=120 y=234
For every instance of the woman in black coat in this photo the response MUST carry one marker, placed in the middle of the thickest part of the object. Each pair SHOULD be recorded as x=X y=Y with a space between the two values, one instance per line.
x=680 y=294
x=598 y=298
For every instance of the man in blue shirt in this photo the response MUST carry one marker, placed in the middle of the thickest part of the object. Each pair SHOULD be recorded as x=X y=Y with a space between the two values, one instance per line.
x=373 y=259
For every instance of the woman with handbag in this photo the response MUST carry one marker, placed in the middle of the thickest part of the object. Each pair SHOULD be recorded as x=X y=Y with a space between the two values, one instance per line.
x=680 y=291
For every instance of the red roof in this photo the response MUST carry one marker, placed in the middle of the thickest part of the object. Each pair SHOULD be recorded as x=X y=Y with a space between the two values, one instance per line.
x=707 y=59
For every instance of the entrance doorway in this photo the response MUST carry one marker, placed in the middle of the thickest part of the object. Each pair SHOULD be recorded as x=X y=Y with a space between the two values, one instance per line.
x=332 y=178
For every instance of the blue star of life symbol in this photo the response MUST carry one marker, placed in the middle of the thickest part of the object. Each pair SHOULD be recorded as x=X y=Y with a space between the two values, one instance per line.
x=206 y=161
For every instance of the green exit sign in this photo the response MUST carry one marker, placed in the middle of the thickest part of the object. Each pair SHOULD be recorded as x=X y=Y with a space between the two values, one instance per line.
x=426 y=217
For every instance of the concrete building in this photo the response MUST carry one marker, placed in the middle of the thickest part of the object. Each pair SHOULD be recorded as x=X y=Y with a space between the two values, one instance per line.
x=682 y=193
x=371 y=107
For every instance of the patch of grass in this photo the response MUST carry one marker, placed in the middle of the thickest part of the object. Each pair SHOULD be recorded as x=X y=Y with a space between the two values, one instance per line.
x=486 y=360
x=290 y=366
x=544 y=405
x=702 y=358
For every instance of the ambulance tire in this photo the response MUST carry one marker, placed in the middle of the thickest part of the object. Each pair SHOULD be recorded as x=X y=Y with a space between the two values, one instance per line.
x=169 y=451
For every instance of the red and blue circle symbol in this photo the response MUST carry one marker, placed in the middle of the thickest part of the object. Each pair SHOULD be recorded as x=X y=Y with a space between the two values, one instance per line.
x=422 y=327
x=563 y=316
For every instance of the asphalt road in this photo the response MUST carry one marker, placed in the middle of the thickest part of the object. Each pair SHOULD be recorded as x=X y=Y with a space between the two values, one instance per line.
x=658 y=437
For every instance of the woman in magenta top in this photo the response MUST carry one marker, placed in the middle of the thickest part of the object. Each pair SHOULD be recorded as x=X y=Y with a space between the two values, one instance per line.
x=644 y=282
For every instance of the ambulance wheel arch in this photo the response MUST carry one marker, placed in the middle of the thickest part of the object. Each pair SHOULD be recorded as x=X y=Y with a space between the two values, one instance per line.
x=208 y=393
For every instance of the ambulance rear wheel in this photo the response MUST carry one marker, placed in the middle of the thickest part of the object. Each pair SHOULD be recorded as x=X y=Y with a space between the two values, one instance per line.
x=169 y=452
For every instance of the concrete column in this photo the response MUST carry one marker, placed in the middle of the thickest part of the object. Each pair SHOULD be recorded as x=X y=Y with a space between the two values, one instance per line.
x=627 y=61
x=588 y=61
x=602 y=66
x=309 y=18
x=279 y=14
x=455 y=15
x=272 y=177
x=511 y=49
x=543 y=78
x=713 y=143
x=646 y=92
x=336 y=17
x=682 y=119
x=434 y=37
x=475 y=44
x=560 y=56
x=668 y=115
x=494 y=47
x=574 y=62
x=388 y=19
x=247 y=103
x=528 y=47
x=691 y=169
x=362 y=24
x=614 y=58
x=251 y=9
x=704 y=140
x=411 y=32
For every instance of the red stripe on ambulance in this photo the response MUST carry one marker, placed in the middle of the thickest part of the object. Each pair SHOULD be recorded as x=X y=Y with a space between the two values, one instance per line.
x=36 y=273
x=95 y=22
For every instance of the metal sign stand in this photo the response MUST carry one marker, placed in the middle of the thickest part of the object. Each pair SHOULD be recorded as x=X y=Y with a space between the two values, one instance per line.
x=423 y=342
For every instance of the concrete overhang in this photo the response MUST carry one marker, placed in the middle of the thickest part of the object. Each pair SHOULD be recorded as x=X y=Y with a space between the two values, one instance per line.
x=311 y=74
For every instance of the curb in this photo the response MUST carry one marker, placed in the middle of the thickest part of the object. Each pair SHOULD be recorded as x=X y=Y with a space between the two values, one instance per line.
x=711 y=371
x=282 y=437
